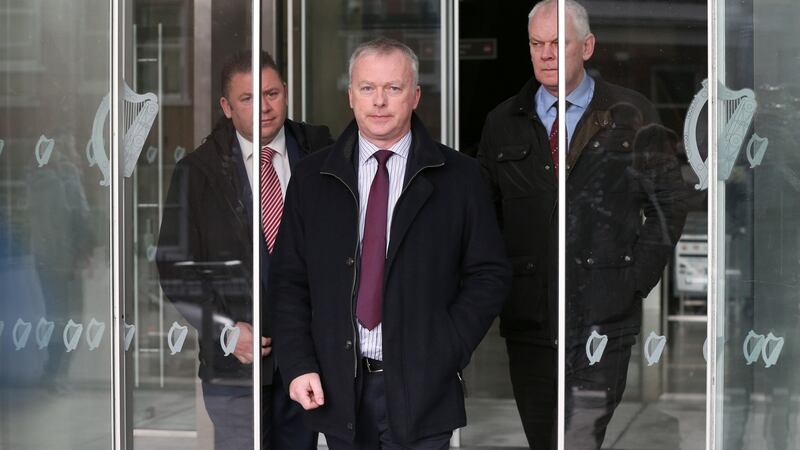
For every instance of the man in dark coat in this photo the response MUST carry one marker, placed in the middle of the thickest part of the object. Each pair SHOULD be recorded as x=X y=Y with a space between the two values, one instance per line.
x=205 y=253
x=624 y=216
x=388 y=271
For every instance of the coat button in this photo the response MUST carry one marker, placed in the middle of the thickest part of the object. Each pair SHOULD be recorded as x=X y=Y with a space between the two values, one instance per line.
x=627 y=258
x=500 y=155
x=349 y=261
x=626 y=144
x=529 y=266
x=589 y=261
x=596 y=144
x=350 y=426
x=348 y=345
x=547 y=167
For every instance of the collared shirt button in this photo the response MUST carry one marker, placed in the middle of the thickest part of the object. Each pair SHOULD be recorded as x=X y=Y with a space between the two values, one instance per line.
x=596 y=144
x=626 y=144
x=348 y=345
x=349 y=261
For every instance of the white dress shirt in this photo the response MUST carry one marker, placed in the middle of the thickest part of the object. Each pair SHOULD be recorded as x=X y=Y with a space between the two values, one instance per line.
x=280 y=161
x=371 y=340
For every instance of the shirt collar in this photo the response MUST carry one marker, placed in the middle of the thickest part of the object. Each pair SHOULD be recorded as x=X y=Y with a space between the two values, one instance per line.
x=581 y=96
x=366 y=148
x=278 y=144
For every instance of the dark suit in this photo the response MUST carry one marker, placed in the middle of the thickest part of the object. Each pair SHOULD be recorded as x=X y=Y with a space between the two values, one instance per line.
x=445 y=279
x=621 y=168
x=207 y=221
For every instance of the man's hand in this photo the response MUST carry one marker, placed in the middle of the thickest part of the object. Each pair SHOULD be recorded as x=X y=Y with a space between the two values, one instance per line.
x=307 y=390
x=244 y=346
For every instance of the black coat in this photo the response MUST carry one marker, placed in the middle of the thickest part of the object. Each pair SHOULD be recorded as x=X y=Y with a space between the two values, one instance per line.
x=446 y=278
x=207 y=222
x=622 y=167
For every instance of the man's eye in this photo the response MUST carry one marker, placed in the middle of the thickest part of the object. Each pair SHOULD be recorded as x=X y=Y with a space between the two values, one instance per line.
x=366 y=89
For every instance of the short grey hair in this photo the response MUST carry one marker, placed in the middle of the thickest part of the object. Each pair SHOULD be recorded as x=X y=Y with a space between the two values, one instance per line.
x=580 y=18
x=384 y=46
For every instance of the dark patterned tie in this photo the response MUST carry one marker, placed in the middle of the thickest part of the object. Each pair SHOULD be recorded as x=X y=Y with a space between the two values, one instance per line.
x=554 y=145
x=373 y=246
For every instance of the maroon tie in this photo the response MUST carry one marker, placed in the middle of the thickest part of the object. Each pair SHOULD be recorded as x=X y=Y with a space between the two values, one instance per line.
x=554 y=145
x=373 y=246
x=271 y=198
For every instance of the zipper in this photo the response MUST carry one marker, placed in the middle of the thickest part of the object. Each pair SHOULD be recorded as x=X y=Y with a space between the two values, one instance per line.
x=355 y=276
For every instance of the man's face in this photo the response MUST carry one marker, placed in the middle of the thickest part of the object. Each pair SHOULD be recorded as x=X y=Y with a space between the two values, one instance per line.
x=238 y=104
x=543 y=43
x=383 y=96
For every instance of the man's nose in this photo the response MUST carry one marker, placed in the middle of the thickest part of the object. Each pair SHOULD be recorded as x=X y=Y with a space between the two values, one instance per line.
x=379 y=99
x=549 y=51
x=265 y=105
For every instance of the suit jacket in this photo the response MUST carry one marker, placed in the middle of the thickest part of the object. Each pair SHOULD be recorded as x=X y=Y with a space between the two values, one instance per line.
x=622 y=168
x=205 y=246
x=445 y=280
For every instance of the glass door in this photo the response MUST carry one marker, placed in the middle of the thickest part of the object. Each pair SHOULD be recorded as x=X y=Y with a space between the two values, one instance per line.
x=635 y=222
x=757 y=210
x=55 y=360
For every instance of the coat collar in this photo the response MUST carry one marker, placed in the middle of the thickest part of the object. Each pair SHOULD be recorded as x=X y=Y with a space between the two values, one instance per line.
x=342 y=159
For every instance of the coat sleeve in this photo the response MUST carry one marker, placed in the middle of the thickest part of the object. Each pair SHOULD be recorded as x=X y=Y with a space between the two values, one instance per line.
x=489 y=170
x=666 y=198
x=485 y=270
x=289 y=293
x=180 y=243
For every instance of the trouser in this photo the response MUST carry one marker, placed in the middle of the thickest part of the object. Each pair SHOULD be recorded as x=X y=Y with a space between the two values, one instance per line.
x=372 y=426
x=592 y=391
x=231 y=411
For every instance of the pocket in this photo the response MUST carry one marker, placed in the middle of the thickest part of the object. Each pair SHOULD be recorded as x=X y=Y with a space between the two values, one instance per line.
x=515 y=171
x=526 y=306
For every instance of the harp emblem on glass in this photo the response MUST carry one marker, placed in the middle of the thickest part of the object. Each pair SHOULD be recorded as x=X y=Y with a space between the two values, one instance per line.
x=130 y=331
x=752 y=354
x=43 y=150
x=737 y=109
x=94 y=333
x=595 y=346
x=20 y=339
x=654 y=355
x=180 y=152
x=44 y=331
x=176 y=342
x=228 y=339
x=71 y=340
x=138 y=114
x=2 y=146
x=769 y=354
x=151 y=154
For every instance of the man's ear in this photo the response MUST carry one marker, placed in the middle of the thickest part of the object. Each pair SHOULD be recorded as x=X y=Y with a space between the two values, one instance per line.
x=226 y=106
x=588 y=47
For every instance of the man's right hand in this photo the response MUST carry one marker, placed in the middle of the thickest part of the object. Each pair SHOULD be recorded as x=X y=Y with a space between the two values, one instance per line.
x=307 y=390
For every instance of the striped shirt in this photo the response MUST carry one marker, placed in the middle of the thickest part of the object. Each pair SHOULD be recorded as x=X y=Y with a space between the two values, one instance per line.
x=371 y=340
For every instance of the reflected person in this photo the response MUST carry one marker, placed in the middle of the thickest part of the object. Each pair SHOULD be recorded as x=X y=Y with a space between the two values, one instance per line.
x=623 y=220
x=389 y=270
x=205 y=251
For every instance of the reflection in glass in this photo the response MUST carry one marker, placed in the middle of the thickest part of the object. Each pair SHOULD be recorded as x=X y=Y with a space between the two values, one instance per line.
x=54 y=221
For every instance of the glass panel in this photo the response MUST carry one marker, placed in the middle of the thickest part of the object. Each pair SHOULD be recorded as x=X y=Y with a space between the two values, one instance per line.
x=636 y=245
x=758 y=231
x=55 y=366
x=335 y=29
x=189 y=252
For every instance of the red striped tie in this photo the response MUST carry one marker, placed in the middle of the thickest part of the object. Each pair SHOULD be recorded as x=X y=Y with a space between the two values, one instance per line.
x=271 y=198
